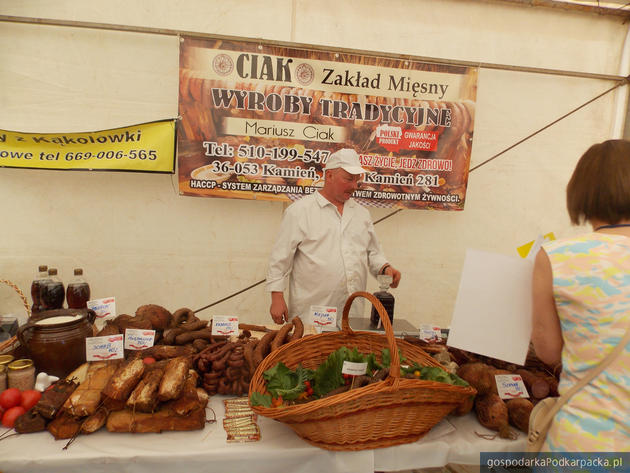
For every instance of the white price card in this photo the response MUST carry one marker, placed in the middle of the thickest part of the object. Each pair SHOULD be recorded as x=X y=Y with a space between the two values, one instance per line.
x=224 y=325
x=139 y=339
x=510 y=386
x=104 y=308
x=323 y=318
x=430 y=333
x=109 y=347
x=354 y=369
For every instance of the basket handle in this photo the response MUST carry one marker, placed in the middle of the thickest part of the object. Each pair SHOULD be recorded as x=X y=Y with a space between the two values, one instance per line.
x=394 y=368
x=20 y=293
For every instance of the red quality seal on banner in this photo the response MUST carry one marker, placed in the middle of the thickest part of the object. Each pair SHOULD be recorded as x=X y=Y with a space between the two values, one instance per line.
x=394 y=138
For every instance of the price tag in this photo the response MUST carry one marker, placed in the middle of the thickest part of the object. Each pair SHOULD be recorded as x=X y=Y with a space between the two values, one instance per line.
x=224 y=325
x=323 y=318
x=430 y=333
x=109 y=347
x=138 y=339
x=510 y=386
x=104 y=308
x=354 y=369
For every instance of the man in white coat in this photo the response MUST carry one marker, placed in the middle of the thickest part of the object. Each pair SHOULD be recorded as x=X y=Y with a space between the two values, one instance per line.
x=325 y=247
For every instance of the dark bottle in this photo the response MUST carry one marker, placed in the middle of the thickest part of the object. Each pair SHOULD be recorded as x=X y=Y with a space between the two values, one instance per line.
x=385 y=298
x=36 y=285
x=78 y=291
x=52 y=293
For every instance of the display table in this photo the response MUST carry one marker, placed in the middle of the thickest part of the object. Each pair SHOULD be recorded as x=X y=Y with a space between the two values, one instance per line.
x=280 y=449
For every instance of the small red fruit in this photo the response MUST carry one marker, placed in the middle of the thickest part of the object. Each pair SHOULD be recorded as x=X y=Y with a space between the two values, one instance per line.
x=8 y=418
x=148 y=360
x=10 y=398
x=30 y=397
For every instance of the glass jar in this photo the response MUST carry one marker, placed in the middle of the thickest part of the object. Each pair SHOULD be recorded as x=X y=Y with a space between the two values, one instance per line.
x=21 y=374
x=3 y=378
x=6 y=359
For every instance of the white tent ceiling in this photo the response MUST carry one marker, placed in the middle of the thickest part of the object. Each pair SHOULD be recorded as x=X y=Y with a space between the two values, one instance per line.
x=602 y=7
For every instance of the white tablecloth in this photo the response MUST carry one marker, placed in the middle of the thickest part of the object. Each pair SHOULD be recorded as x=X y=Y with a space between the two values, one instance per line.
x=280 y=450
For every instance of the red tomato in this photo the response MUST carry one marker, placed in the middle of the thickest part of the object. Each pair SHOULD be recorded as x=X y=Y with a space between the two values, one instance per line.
x=8 y=418
x=10 y=398
x=148 y=360
x=30 y=398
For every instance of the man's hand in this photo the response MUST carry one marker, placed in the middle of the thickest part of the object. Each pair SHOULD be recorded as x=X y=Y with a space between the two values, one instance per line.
x=394 y=273
x=278 y=310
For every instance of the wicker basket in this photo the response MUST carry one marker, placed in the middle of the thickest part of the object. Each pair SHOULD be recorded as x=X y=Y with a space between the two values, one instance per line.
x=395 y=411
x=10 y=345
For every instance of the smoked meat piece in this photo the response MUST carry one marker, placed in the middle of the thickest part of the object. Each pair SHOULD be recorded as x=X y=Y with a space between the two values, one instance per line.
x=64 y=426
x=174 y=377
x=164 y=419
x=87 y=397
x=53 y=399
x=30 y=422
x=144 y=397
x=122 y=382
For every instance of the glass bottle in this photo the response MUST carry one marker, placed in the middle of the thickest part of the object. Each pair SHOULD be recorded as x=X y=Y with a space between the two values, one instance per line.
x=385 y=298
x=78 y=291
x=36 y=285
x=52 y=293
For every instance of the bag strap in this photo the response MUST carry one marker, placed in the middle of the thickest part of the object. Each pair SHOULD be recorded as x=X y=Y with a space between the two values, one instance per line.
x=584 y=381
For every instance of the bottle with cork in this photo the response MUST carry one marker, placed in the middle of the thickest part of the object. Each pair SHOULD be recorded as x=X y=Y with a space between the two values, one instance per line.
x=78 y=291
x=36 y=287
x=52 y=292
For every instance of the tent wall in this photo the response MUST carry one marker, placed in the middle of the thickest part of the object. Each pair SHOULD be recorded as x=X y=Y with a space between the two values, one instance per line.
x=140 y=241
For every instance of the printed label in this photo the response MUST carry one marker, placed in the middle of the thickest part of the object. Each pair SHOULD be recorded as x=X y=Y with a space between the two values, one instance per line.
x=138 y=339
x=430 y=333
x=354 y=369
x=224 y=325
x=510 y=386
x=323 y=318
x=104 y=348
x=104 y=308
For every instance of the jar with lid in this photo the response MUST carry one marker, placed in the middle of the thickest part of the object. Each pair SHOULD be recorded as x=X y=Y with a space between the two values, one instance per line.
x=36 y=285
x=4 y=361
x=52 y=292
x=21 y=374
x=3 y=378
x=78 y=291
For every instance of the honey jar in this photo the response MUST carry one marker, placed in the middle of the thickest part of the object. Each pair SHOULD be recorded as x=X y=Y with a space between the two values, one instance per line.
x=21 y=374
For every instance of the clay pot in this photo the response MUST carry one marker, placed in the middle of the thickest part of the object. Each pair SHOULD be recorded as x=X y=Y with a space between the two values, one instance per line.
x=55 y=339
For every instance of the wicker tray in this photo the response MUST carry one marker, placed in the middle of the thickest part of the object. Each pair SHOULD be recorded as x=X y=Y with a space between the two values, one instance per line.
x=10 y=345
x=395 y=411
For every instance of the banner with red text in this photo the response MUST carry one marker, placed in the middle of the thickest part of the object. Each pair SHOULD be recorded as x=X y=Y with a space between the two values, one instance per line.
x=258 y=121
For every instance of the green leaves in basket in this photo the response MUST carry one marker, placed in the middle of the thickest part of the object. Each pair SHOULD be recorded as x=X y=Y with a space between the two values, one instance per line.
x=387 y=358
x=435 y=373
x=286 y=383
x=328 y=375
x=257 y=399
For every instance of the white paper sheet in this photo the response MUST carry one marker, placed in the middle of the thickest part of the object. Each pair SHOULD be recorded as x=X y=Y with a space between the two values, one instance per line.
x=492 y=314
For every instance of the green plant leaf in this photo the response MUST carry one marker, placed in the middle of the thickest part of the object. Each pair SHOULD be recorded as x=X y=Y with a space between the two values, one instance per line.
x=258 y=399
